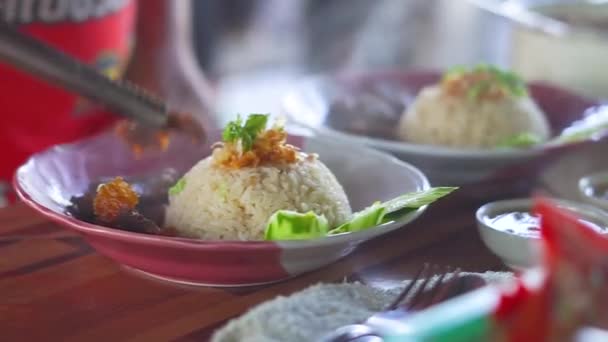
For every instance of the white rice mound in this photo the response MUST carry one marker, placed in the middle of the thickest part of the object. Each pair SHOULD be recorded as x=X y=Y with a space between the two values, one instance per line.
x=235 y=204
x=436 y=119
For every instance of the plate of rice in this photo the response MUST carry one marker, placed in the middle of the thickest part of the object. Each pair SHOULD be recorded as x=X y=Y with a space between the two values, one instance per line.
x=252 y=205
x=470 y=125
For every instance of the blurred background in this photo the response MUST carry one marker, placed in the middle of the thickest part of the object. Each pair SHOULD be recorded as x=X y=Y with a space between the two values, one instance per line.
x=254 y=51
x=268 y=44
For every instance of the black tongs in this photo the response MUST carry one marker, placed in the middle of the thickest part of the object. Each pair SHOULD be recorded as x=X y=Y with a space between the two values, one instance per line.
x=40 y=60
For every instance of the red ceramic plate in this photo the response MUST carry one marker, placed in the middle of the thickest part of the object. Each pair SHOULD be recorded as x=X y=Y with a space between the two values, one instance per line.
x=49 y=179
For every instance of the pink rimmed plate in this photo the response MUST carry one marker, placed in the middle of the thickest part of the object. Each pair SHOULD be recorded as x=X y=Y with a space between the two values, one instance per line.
x=365 y=108
x=48 y=180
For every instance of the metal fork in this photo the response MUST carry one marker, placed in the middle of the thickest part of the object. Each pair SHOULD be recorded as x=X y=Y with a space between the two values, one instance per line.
x=420 y=298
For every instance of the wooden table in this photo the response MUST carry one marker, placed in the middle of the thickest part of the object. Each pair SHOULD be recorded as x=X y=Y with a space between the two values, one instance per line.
x=54 y=287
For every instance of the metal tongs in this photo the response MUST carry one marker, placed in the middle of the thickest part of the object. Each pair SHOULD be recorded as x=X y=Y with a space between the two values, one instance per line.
x=40 y=60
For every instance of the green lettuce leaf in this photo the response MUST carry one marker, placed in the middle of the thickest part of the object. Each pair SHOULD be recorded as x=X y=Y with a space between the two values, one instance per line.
x=291 y=225
x=380 y=213
x=407 y=203
x=525 y=139
x=178 y=187
x=368 y=217
x=582 y=134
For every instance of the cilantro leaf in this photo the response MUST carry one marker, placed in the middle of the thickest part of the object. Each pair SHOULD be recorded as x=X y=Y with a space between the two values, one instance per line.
x=247 y=142
x=233 y=130
x=478 y=88
x=245 y=133
x=256 y=123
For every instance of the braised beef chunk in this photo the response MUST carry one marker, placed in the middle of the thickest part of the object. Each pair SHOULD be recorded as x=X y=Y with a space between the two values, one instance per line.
x=148 y=215
x=82 y=207
x=133 y=221
x=154 y=212
x=169 y=231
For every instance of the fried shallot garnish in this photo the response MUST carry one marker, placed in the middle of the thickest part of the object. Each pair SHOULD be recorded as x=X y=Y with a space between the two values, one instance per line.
x=252 y=145
x=483 y=83
x=114 y=199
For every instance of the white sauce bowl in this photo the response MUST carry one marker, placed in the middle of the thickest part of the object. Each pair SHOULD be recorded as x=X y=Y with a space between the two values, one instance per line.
x=593 y=189
x=518 y=251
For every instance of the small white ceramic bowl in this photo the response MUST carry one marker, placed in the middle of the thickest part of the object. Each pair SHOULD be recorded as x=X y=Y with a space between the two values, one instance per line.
x=517 y=251
x=593 y=187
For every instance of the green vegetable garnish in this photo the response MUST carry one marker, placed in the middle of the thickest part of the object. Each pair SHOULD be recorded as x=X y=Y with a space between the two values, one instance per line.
x=290 y=225
x=368 y=217
x=235 y=130
x=525 y=139
x=581 y=135
x=454 y=72
x=178 y=187
x=478 y=89
x=223 y=191
x=506 y=80
x=404 y=204
x=380 y=213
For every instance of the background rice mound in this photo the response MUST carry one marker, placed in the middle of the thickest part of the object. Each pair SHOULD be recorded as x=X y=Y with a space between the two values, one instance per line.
x=437 y=119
